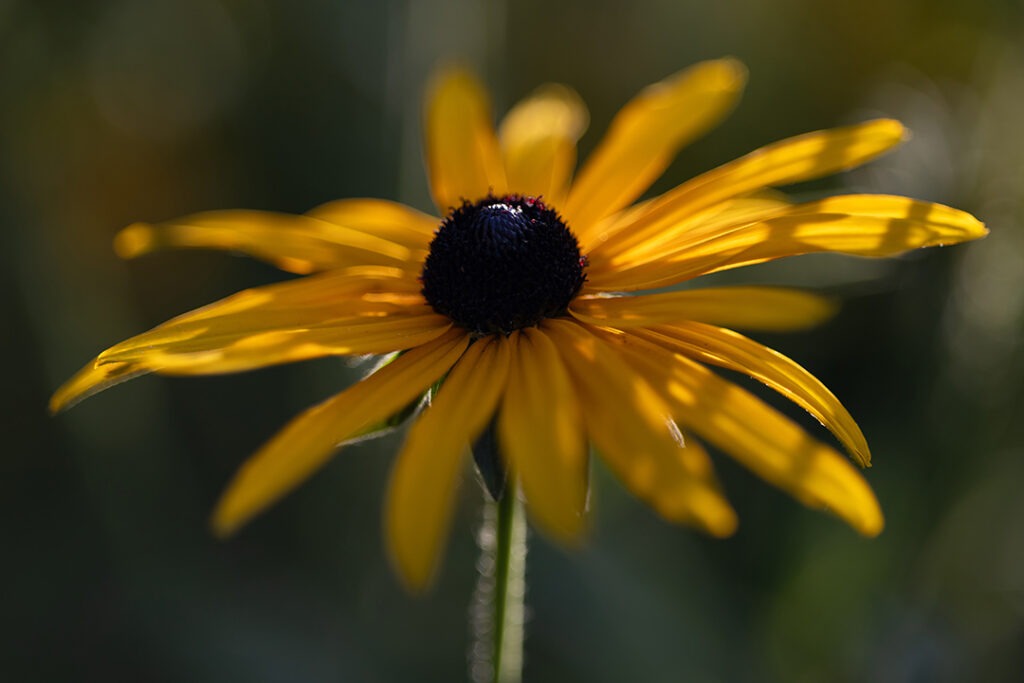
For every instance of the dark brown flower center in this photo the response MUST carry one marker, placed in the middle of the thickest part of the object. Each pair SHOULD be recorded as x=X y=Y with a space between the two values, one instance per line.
x=501 y=264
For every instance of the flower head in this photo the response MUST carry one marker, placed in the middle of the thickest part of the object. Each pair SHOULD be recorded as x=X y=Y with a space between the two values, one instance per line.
x=526 y=297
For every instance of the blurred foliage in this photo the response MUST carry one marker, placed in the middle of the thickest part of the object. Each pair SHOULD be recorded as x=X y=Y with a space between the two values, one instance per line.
x=116 y=111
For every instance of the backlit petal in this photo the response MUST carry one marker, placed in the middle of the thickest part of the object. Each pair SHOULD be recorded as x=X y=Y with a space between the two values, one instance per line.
x=421 y=492
x=542 y=435
x=631 y=426
x=859 y=225
x=215 y=350
x=297 y=244
x=463 y=158
x=645 y=136
x=90 y=380
x=361 y=310
x=773 y=309
x=793 y=160
x=392 y=221
x=759 y=437
x=308 y=441
x=733 y=351
x=538 y=141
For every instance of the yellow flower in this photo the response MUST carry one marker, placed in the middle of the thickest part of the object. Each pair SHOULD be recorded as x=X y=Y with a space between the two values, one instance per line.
x=523 y=300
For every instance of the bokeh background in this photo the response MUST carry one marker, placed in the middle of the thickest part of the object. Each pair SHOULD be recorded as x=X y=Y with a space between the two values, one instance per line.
x=121 y=110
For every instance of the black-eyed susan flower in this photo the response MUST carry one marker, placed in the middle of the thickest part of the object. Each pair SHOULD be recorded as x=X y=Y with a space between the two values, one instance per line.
x=525 y=302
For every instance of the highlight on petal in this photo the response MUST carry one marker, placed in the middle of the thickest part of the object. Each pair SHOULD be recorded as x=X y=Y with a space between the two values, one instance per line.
x=308 y=441
x=462 y=153
x=733 y=351
x=392 y=221
x=352 y=311
x=632 y=428
x=873 y=226
x=421 y=491
x=297 y=244
x=90 y=380
x=772 y=309
x=759 y=437
x=538 y=142
x=792 y=160
x=215 y=350
x=541 y=432
x=645 y=136
x=714 y=220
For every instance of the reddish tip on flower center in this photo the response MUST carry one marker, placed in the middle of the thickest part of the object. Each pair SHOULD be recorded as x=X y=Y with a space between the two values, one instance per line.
x=501 y=264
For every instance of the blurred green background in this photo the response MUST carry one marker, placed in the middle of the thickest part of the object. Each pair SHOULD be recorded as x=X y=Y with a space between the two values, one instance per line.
x=117 y=111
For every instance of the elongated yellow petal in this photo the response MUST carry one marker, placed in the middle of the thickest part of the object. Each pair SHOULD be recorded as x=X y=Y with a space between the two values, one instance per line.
x=631 y=427
x=645 y=136
x=773 y=309
x=367 y=290
x=216 y=352
x=872 y=226
x=266 y=325
x=542 y=435
x=796 y=159
x=538 y=141
x=362 y=310
x=421 y=492
x=733 y=351
x=308 y=441
x=297 y=244
x=392 y=221
x=713 y=220
x=463 y=157
x=92 y=379
x=760 y=438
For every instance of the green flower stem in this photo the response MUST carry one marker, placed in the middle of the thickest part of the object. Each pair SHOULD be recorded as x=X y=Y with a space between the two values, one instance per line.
x=497 y=653
x=509 y=589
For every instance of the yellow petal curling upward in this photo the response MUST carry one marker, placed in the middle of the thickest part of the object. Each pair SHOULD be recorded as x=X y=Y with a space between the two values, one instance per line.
x=462 y=152
x=538 y=141
x=645 y=135
x=788 y=161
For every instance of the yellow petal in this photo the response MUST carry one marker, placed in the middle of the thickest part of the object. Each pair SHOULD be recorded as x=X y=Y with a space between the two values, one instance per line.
x=297 y=244
x=542 y=435
x=92 y=379
x=309 y=440
x=733 y=351
x=217 y=351
x=645 y=136
x=713 y=220
x=264 y=325
x=421 y=492
x=773 y=309
x=359 y=310
x=463 y=158
x=538 y=141
x=631 y=426
x=763 y=440
x=392 y=221
x=858 y=225
x=793 y=160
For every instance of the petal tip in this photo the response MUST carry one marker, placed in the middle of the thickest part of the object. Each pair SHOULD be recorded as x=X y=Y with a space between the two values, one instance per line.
x=894 y=129
x=135 y=240
x=225 y=522
x=732 y=72
x=872 y=525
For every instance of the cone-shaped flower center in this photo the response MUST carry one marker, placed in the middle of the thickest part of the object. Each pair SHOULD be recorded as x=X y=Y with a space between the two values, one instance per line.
x=501 y=264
